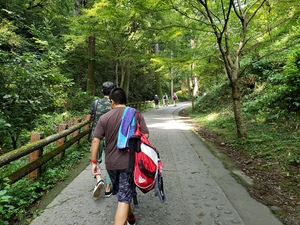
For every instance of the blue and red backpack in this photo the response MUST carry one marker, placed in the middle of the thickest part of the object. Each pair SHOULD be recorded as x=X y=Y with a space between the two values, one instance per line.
x=145 y=166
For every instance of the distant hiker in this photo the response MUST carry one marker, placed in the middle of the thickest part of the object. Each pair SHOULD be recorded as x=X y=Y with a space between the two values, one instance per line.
x=165 y=99
x=116 y=160
x=174 y=98
x=156 y=101
x=98 y=108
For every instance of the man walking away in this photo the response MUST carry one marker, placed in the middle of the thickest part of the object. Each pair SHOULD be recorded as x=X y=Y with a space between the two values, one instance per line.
x=116 y=160
x=98 y=108
x=175 y=98
x=156 y=101
x=165 y=99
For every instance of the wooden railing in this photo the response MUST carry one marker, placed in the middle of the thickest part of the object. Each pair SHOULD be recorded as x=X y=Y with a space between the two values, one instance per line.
x=37 y=158
x=35 y=149
x=138 y=105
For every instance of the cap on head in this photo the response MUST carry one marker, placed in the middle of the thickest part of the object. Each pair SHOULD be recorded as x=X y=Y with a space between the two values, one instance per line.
x=107 y=87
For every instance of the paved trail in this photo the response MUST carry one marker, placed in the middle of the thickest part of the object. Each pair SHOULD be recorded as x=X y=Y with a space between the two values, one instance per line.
x=199 y=190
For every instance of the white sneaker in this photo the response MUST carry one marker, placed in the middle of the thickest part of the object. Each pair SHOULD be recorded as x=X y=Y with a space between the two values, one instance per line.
x=98 y=188
x=130 y=223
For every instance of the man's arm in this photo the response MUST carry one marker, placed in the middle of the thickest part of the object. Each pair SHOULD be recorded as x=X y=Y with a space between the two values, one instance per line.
x=95 y=148
x=94 y=151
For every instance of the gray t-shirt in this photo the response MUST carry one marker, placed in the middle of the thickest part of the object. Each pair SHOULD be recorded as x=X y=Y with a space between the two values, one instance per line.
x=108 y=127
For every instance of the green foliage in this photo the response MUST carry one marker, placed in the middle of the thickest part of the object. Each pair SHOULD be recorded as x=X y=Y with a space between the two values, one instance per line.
x=47 y=123
x=4 y=132
x=15 y=201
x=278 y=95
x=182 y=96
x=28 y=82
x=45 y=43
x=272 y=121
x=6 y=208
x=215 y=99
x=80 y=101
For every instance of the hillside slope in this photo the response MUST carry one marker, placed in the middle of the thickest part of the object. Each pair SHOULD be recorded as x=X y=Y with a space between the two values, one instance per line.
x=269 y=155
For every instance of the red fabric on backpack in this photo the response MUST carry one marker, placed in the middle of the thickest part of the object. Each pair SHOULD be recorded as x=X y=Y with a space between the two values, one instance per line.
x=145 y=168
x=145 y=162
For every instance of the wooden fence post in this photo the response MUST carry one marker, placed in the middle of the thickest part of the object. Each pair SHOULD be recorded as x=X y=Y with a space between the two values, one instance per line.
x=76 y=132
x=87 y=126
x=61 y=141
x=35 y=155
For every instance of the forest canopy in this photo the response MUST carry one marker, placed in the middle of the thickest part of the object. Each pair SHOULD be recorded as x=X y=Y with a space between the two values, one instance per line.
x=54 y=55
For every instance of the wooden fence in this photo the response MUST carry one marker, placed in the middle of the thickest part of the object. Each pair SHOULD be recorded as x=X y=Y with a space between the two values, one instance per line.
x=65 y=138
x=35 y=149
x=138 y=105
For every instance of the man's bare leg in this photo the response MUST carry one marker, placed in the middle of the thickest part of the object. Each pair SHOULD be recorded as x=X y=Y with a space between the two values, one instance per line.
x=98 y=178
x=123 y=210
x=98 y=187
x=108 y=187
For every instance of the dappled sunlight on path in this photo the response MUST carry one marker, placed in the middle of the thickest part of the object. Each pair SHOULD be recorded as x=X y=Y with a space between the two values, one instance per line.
x=199 y=189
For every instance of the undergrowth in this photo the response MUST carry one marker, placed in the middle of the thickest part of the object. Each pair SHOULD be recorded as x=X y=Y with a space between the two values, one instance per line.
x=273 y=139
x=15 y=201
x=17 y=198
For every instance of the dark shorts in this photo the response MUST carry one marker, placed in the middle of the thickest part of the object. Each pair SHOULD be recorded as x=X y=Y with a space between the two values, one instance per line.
x=121 y=187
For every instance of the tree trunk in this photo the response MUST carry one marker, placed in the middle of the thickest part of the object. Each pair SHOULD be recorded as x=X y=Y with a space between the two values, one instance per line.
x=157 y=84
x=117 y=74
x=91 y=66
x=122 y=74
x=13 y=141
x=172 y=81
x=127 y=77
x=191 y=85
x=236 y=100
x=171 y=76
x=158 y=89
x=188 y=86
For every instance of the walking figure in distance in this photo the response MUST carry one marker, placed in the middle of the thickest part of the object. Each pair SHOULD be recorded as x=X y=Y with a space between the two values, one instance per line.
x=156 y=101
x=174 y=98
x=116 y=160
x=98 y=108
x=165 y=99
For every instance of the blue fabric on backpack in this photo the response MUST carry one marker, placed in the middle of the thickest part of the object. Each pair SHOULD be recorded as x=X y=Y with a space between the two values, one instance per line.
x=127 y=127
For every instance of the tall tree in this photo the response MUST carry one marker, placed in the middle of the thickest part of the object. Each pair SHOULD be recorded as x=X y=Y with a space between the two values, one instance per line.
x=28 y=81
x=235 y=25
x=91 y=65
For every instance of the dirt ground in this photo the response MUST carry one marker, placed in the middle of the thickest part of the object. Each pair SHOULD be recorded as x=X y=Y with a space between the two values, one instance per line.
x=270 y=188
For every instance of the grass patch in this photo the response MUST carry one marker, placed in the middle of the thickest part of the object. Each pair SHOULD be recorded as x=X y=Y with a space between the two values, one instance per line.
x=16 y=203
x=274 y=142
x=270 y=154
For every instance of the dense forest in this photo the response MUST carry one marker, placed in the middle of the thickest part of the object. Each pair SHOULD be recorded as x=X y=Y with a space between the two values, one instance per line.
x=55 y=54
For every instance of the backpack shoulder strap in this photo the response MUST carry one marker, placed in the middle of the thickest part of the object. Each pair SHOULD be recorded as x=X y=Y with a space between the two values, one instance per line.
x=133 y=145
x=95 y=107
